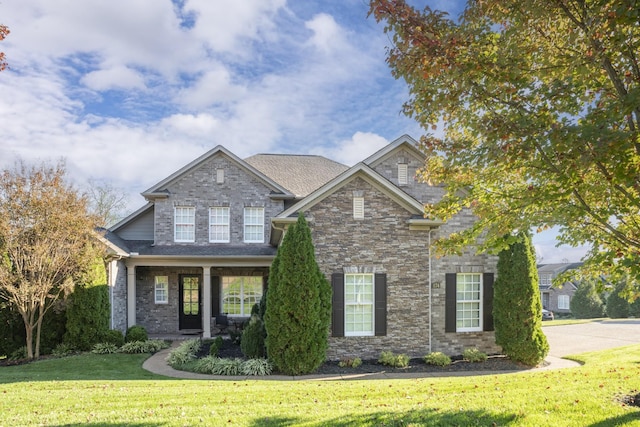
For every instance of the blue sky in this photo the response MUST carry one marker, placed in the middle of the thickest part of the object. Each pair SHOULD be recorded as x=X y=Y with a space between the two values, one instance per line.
x=128 y=91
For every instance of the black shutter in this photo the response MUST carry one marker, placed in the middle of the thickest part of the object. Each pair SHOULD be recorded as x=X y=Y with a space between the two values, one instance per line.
x=215 y=296
x=450 y=302
x=380 y=304
x=487 y=301
x=337 y=305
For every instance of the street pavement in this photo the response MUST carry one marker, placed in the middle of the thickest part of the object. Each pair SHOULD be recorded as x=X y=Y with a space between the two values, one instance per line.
x=593 y=336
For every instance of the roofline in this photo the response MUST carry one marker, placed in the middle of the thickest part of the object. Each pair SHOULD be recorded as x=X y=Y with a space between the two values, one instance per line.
x=131 y=216
x=218 y=149
x=378 y=155
x=117 y=250
x=369 y=175
x=206 y=261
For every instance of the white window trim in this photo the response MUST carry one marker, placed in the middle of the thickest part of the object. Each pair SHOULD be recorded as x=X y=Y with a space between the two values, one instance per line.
x=164 y=282
x=546 y=279
x=261 y=225
x=373 y=308
x=245 y=311
x=358 y=208
x=478 y=328
x=212 y=224
x=564 y=298
x=176 y=224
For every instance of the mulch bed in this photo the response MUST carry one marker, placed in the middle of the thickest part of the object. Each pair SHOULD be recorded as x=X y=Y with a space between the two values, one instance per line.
x=493 y=363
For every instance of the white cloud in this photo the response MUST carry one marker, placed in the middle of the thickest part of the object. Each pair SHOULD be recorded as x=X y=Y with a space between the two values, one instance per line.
x=359 y=147
x=119 y=77
x=327 y=35
x=213 y=87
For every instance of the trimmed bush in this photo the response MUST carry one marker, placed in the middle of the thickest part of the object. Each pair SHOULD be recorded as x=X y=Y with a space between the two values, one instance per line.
x=474 y=355
x=230 y=367
x=350 y=363
x=389 y=358
x=517 y=307
x=437 y=358
x=215 y=346
x=586 y=302
x=617 y=304
x=298 y=309
x=253 y=336
x=87 y=314
x=115 y=337
x=255 y=367
x=149 y=346
x=136 y=333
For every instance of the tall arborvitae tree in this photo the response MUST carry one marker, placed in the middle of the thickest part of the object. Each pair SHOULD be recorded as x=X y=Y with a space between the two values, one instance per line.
x=298 y=305
x=517 y=309
x=586 y=302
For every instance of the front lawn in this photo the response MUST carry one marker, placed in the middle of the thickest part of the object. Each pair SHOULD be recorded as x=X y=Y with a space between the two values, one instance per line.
x=114 y=390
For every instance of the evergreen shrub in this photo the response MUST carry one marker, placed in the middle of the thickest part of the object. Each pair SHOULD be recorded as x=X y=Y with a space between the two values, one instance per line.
x=136 y=333
x=586 y=302
x=617 y=304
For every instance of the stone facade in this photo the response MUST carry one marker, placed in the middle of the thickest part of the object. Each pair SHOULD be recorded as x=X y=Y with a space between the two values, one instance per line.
x=117 y=276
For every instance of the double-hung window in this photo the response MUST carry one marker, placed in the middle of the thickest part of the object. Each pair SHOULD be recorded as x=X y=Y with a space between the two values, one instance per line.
x=240 y=293
x=564 y=302
x=468 y=302
x=219 y=225
x=254 y=225
x=185 y=224
x=358 y=305
x=161 y=290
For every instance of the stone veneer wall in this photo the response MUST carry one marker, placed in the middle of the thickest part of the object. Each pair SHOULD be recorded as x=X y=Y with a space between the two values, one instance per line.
x=199 y=189
x=118 y=297
x=383 y=242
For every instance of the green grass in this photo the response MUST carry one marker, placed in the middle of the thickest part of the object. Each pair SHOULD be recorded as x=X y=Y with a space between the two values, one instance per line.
x=113 y=390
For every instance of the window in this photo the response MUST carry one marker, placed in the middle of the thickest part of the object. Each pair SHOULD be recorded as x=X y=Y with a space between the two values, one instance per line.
x=254 y=225
x=185 y=224
x=468 y=302
x=563 y=302
x=219 y=176
x=161 y=289
x=403 y=174
x=358 y=208
x=239 y=294
x=358 y=305
x=219 y=225
x=545 y=280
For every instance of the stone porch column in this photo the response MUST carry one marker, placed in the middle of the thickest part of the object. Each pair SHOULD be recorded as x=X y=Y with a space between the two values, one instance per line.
x=131 y=296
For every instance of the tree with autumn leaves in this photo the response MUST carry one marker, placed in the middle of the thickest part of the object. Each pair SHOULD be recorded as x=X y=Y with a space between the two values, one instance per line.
x=47 y=242
x=4 y=32
x=537 y=108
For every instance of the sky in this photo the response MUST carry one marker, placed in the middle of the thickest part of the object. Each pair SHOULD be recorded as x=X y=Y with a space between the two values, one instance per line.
x=126 y=92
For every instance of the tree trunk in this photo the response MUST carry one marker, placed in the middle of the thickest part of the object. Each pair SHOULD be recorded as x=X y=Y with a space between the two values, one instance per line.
x=39 y=331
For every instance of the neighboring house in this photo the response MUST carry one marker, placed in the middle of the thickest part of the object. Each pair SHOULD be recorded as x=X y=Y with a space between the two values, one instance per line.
x=203 y=244
x=556 y=298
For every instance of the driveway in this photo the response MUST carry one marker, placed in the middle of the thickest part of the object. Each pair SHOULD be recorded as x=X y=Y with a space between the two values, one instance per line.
x=594 y=336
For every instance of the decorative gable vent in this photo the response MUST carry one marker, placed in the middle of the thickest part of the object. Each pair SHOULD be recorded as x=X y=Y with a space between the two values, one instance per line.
x=358 y=207
x=403 y=174
x=220 y=176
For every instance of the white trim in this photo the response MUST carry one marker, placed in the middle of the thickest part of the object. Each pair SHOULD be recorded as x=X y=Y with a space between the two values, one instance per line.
x=473 y=301
x=358 y=208
x=192 y=223
x=257 y=224
x=371 y=281
x=165 y=286
x=403 y=174
x=224 y=209
x=566 y=302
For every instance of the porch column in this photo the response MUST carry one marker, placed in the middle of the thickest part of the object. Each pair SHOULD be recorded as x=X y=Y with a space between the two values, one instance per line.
x=131 y=296
x=206 y=302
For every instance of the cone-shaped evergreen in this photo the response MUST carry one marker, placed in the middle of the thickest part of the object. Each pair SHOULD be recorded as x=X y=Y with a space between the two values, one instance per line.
x=298 y=305
x=586 y=303
x=517 y=309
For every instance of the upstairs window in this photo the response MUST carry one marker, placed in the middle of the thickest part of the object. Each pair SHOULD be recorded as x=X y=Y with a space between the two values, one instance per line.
x=185 y=224
x=545 y=279
x=219 y=225
x=254 y=225
x=403 y=174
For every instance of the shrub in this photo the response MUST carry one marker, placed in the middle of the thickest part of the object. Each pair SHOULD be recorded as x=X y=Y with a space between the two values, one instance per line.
x=586 y=303
x=253 y=336
x=474 y=355
x=184 y=353
x=136 y=333
x=149 y=346
x=389 y=358
x=617 y=304
x=104 y=348
x=215 y=346
x=350 y=363
x=235 y=336
x=115 y=337
x=517 y=308
x=227 y=367
x=62 y=350
x=256 y=367
x=88 y=309
x=19 y=353
x=298 y=310
x=437 y=358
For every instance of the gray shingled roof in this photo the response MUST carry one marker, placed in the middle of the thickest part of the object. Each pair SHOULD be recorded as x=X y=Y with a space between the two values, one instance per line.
x=300 y=174
x=146 y=247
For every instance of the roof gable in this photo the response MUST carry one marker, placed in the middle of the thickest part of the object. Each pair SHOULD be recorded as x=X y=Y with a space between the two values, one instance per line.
x=158 y=188
x=404 y=142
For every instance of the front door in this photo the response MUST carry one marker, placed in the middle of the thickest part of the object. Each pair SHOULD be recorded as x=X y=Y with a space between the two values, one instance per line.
x=190 y=306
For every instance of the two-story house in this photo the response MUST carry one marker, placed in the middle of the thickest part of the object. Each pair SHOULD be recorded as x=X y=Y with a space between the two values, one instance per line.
x=556 y=299
x=203 y=244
